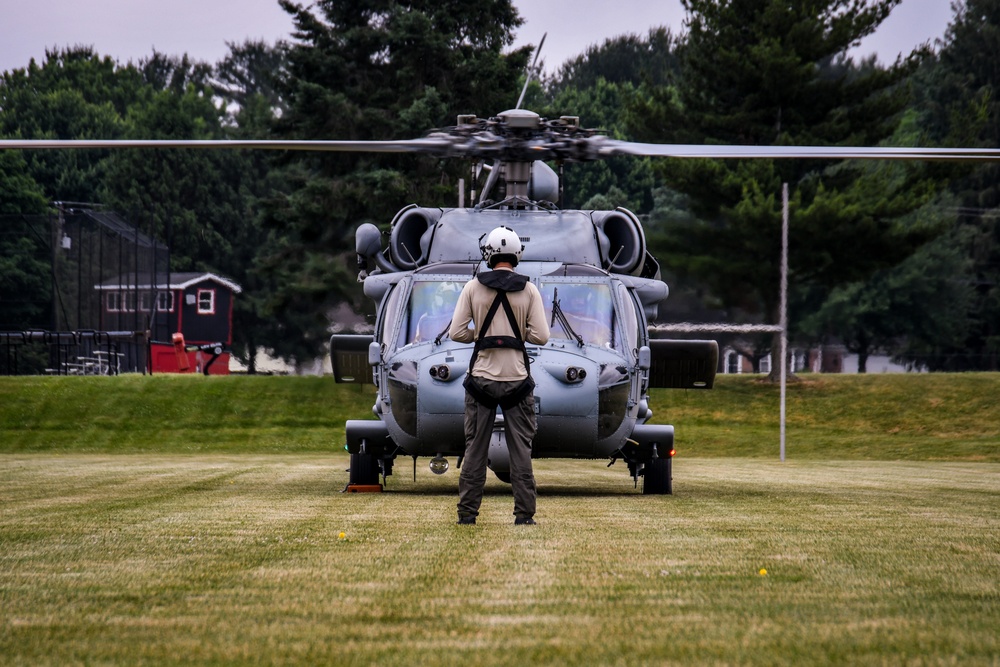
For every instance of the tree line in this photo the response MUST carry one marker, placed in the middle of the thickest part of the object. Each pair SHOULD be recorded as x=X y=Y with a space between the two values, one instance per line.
x=900 y=258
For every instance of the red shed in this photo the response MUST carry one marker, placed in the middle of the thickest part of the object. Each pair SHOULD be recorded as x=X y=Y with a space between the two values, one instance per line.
x=198 y=305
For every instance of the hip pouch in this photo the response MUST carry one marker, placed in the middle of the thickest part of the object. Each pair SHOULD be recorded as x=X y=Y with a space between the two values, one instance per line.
x=507 y=402
x=502 y=282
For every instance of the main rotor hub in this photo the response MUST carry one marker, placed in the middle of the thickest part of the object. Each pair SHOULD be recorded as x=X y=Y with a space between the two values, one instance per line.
x=520 y=119
x=520 y=135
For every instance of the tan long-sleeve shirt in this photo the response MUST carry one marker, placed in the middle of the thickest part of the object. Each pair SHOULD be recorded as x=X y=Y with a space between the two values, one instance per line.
x=502 y=364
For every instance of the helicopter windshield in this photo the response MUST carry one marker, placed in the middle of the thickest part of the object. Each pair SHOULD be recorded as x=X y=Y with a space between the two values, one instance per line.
x=586 y=307
x=429 y=312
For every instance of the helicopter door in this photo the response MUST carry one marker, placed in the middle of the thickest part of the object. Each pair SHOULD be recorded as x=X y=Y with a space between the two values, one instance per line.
x=349 y=352
x=631 y=318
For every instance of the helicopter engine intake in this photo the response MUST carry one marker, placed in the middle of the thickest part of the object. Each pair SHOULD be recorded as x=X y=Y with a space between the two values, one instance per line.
x=410 y=237
x=623 y=243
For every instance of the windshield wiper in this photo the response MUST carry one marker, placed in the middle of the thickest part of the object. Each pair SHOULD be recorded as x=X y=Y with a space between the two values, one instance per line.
x=444 y=332
x=558 y=314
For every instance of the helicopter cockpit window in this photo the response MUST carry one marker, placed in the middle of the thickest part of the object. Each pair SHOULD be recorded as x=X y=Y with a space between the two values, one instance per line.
x=432 y=303
x=630 y=320
x=587 y=311
x=387 y=322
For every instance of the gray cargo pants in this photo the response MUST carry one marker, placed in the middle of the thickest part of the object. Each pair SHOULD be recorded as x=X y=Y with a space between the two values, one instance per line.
x=519 y=427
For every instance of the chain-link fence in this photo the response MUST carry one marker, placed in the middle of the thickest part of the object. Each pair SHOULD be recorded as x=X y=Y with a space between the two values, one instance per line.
x=53 y=267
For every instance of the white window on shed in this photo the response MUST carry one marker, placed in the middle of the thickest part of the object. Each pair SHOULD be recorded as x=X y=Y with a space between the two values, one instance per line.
x=206 y=302
x=165 y=302
x=114 y=302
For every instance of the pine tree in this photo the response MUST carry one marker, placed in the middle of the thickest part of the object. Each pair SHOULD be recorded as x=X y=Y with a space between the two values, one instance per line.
x=962 y=108
x=373 y=70
x=776 y=73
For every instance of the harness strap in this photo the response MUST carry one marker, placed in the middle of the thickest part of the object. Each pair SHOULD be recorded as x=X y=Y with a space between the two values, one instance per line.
x=485 y=342
x=513 y=342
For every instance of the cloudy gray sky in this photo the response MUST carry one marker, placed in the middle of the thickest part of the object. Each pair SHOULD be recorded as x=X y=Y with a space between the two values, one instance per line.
x=131 y=29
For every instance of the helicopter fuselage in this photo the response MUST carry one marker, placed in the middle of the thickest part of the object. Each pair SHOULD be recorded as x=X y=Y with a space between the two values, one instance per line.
x=587 y=396
x=598 y=286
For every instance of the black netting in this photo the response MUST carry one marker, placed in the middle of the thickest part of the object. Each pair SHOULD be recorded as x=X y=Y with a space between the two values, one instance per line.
x=64 y=268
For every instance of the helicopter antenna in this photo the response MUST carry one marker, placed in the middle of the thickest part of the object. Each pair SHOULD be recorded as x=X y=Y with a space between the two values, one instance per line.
x=409 y=253
x=491 y=180
x=615 y=258
x=531 y=71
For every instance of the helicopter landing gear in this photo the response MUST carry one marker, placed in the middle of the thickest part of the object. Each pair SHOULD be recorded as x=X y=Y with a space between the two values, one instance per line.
x=365 y=470
x=372 y=453
x=657 y=478
x=650 y=456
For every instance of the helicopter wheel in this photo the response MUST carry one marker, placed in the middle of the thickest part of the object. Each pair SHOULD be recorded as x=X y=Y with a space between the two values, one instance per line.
x=364 y=469
x=503 y=476
x=657 y=478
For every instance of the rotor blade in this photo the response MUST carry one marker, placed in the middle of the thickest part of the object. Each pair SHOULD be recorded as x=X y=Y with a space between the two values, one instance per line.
x=609 y=147
x=483 y=145
x=436 y=145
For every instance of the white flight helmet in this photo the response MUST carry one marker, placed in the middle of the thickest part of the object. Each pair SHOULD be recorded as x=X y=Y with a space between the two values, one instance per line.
x=502 y=244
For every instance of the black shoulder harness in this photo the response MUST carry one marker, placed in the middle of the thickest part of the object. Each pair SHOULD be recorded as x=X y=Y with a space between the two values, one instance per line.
x=502 y=282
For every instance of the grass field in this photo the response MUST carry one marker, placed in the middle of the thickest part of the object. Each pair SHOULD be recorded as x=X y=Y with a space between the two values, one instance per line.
x=178 y=520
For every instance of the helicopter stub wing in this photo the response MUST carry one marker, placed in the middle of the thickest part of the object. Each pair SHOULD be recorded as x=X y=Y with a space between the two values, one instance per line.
x=349 y=358
x=683 y=364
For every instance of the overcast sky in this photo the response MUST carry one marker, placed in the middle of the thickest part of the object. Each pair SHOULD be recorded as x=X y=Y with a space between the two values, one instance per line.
x=131 y=29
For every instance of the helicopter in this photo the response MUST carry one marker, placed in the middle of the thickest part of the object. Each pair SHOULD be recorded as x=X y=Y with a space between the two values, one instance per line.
x=600 y=286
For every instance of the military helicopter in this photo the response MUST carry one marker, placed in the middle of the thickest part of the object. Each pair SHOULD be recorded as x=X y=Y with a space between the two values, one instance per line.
x=599 y=283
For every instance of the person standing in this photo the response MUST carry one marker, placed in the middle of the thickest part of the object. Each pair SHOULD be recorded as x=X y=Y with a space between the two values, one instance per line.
x=506 y=311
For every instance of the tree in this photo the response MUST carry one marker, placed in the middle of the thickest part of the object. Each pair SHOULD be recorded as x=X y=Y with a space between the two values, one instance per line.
x=597 y=86
x=623 y=59
x=19 y=193
x=248 y=80
x=915 y=309
x=775 y=73
x=600 y=106
x=252 y=74
x=962 y=108
x=372 y=70
x=25 y=249
x=205 y=203
x=74 y=94
x=190 y=198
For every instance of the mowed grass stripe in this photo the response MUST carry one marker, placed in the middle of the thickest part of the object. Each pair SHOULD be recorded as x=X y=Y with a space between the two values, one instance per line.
x=878 y=417
x=170 y=559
